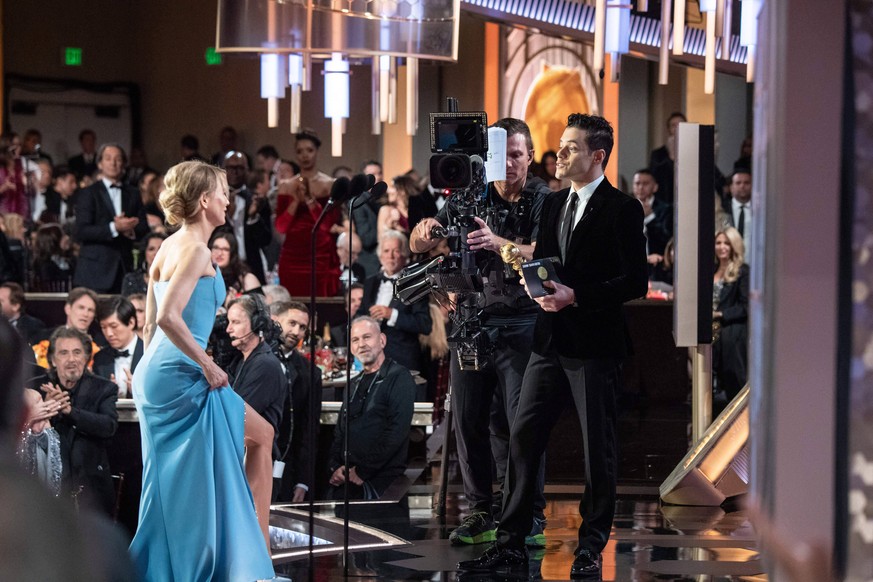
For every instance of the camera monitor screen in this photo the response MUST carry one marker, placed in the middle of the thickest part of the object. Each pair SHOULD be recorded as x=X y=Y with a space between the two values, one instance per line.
x=459 y=132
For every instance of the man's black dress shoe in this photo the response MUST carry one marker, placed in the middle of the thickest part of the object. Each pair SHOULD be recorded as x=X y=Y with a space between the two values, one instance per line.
x=586 y=566
x=495 y=558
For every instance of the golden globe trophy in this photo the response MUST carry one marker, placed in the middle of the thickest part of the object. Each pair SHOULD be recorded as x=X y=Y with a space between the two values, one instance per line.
x=511 y=255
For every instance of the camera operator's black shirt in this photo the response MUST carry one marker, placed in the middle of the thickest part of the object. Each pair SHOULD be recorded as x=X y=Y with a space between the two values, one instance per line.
x=517 y=222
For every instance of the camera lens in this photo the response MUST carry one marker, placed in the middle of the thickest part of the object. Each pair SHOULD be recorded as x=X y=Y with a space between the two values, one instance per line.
x=450 y=171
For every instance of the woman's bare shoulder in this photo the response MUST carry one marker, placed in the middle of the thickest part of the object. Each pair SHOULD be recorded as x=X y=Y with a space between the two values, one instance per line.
x=192 y=257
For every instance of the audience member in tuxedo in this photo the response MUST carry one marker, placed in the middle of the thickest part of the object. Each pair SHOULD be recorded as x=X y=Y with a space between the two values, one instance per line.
x=43 y=184
x=117 y=318
x=80 y=308
x=189 y=148
x=658 y=217
x=740 y=210
x=13 y=179
x=237 y=276
x=248 y=215
x=275 y=294
x=662 y=159
x=296 y=449
x=13 y=307
x=400 y=323
x=381 y=402
x=87 y=418
x=579 y=342
x=53 y=263
x=109 y=220
x=255 y=373
x=374 y=168
x=730 y=315
x=351 y=271
x=59 y=200
x=85 y=163
x=338 y=333
x=228 y=141
x=485 y=399
x=138 y=281
x=138 y=300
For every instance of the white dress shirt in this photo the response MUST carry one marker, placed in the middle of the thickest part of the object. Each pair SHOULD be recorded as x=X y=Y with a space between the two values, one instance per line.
x=584 y=194
x=115 y=196
x=124 y=363
x=385 y=295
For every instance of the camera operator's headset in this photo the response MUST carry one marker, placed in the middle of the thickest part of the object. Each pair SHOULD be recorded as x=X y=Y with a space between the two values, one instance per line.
x=261 y=320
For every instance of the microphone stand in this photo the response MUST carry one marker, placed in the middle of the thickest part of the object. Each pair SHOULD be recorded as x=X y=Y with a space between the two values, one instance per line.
x=314 y=398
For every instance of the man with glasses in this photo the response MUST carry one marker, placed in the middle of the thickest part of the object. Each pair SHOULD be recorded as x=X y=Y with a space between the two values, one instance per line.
x=248 y=215
x=380 y=408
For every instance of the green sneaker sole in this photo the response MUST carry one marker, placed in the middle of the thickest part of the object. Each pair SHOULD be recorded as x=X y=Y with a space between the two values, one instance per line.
x=537 y=541
x=485 y=536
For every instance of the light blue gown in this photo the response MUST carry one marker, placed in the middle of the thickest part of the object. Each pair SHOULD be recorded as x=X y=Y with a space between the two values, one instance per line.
x=196 y=518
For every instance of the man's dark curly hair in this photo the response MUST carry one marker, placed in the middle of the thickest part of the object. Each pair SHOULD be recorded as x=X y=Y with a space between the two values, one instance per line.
x=598 y=132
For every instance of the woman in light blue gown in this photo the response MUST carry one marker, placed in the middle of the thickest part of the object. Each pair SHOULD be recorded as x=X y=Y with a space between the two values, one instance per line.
x=198 y=519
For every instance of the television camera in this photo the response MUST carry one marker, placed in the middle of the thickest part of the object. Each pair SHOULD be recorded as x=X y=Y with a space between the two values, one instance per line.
x=459 y=144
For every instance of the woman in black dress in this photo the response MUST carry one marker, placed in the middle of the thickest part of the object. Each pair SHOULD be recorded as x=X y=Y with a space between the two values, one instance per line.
x=730 y=301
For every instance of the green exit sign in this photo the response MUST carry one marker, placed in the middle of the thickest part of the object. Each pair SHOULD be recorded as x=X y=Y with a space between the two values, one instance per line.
x=212 y=57
x=73 y=56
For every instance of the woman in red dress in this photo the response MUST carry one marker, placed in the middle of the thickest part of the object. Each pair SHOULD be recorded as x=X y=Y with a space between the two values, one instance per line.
x=299 y=203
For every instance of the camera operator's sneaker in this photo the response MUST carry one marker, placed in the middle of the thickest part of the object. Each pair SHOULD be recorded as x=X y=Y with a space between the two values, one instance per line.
x=537 y=536
x=477 y=528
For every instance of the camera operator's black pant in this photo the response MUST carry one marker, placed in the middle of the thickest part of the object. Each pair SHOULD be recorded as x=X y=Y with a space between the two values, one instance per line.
x=483 y=407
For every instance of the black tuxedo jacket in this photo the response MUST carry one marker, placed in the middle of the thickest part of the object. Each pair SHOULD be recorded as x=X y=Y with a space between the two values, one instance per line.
x=660 y=230
x=31 y=329
x=605 y=266
x=402 y=346
x=101 y=256
x=85 y=435
x=104 y=360
x=295 y=447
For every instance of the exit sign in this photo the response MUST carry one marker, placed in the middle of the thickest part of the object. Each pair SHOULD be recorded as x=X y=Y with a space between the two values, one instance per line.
x=73 y=56
x=212 y=57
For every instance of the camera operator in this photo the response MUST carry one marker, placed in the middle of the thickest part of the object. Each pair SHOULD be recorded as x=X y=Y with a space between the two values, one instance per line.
x=492 y=392
x=255 y=372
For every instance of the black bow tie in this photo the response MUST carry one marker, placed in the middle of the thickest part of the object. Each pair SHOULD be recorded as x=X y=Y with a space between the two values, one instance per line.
x=116 y=185
x=121 y=353
x=386 y=278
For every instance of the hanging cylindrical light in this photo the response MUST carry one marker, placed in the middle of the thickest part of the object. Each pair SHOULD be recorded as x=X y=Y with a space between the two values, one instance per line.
x=272 y=85
x=599 y=34
x=679 y=27
x=642 y=5
x=411 y=96
x=384 y=82
x=617 y=38
x=664 y=54
x=336 y=98
x=749 y=33
x=726 y=32
x=295 y=81
x=392 y=90
x=709 y=60
x=375 y=102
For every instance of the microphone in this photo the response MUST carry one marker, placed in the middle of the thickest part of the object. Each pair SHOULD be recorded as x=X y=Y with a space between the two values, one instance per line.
x=233 y=338
x=360 y=183
x=339 y=191
x=371 y=191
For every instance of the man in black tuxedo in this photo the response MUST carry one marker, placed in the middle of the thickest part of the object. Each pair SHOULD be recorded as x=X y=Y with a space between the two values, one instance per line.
x=657 y=217
x=59 y=200
x=580 y=340
x=87 y=419
x=109 y=220
x=117 y=318
x=12 y=307
x=662 y=159
x=400 y=323
x=295 y=446
x=85 y=163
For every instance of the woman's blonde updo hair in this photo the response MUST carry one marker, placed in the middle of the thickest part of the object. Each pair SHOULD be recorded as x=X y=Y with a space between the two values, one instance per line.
x=183 y=185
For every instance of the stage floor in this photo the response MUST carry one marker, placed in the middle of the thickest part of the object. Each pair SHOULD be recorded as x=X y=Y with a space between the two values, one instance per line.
x=403 y=540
